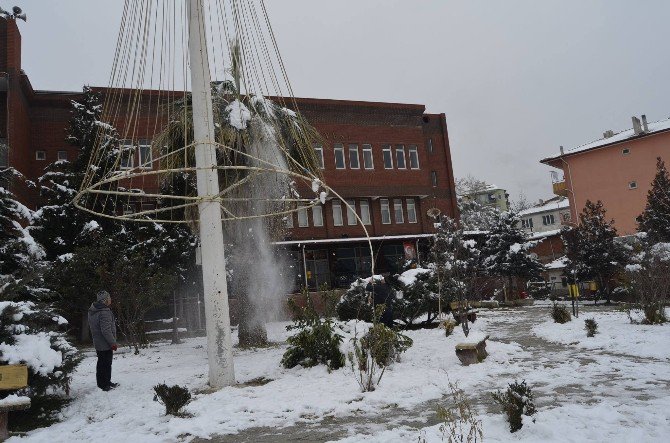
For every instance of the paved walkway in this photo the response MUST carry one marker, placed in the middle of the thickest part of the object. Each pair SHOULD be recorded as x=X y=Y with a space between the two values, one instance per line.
x=591 y=375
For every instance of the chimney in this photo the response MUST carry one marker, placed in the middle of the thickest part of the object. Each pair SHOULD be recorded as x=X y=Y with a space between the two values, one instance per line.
x=609 y=133
x=562 y=151
x=644 y=123
x=541 y=202
x=637 y=126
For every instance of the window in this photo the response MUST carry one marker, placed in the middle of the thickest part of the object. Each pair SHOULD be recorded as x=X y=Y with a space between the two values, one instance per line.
x=386 y=212
x=411 y=211
x=400 y=156
x=365 y=212
x=128 y=210
x=317 y=215
x=433 y=178
x=339 y=157
x=354 y=162
x=625 y=151
x=303 y=222
x=62 y=155
x=337 y=213
x=397 y=209
x=127 y=157
x=430 y=145
x=289 y=220
x=351 y=212
x=632 y=185
x=368 y=162
x=527 y=223
x=40 y=155
x=388 y=157
x=548 y=220
x=413 y=157
x=318 y=149
x=146 y=157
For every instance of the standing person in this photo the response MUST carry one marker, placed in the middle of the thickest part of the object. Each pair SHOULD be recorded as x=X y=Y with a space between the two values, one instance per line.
x=382 y=294
x=103 y=330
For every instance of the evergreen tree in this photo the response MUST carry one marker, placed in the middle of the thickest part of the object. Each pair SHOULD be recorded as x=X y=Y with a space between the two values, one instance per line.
x=593 y=254
x=476 y=216
x=655 y=220
x=30 y=331
x=506 y=252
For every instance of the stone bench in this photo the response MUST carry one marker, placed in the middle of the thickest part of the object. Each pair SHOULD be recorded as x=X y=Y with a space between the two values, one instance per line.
x=11 y=403
x=472 y=352
x=12 y=378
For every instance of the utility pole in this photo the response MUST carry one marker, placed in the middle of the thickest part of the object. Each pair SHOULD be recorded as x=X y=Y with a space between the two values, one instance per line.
x=217 y=318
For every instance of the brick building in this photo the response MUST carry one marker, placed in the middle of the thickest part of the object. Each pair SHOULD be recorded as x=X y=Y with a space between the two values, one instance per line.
x=390 y=161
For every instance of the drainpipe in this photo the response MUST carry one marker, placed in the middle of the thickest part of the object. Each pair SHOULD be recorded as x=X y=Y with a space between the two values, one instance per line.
x=304 y=267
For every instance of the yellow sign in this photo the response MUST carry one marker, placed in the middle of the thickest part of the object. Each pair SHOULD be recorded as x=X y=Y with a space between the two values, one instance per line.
x=574 y=291
x=13 y=377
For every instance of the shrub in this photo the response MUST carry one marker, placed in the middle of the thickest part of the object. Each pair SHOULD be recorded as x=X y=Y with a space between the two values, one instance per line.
x=419 y=296
x=560 y=313
x=355 y=303
x=515 y=402
x=174 y=398
x=459 y=423
x=448 y=326
x=374 y=352
x=315 y=343
x=591 y=327
x=654 y=314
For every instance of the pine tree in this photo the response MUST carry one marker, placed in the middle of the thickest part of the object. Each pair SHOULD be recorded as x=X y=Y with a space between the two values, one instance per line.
x=593 y=254
x=30 y=330
x=506 y=251
x=655 y=220
x=476 y=216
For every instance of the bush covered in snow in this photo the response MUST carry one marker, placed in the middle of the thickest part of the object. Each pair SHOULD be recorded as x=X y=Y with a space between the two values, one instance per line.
x=648 y=278
x=417 y=296
x=591 y=327
x=355 y=304
x=316 y=342
x=515 y=402
x=560 y=313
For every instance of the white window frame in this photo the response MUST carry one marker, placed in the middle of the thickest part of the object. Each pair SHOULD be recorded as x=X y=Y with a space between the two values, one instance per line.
x=339 y=148
x=303 y=218
x=145 y=164
x=397 y=208
x=365 y=212
x=386 y=211
x=527 y=223
x=400 y=149
x=367 y=149
x=411 y=211
x=351 y=213
x=413 y=152
x=353 y=149
x=387 y=153
x=131 y=157
x=548 y=220
x=317 y=216
x=338 y=220
x=64 y=156
x=318 y=149
x=632 y=185
x=430 y=145
x=625 y=151
x=40 y=155
x=433 y=178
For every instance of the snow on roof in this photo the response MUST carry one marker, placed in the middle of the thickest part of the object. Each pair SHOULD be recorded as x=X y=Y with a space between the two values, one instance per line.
x=659 y=126
x=559 y=263
x=549 y=205
x=538 y=235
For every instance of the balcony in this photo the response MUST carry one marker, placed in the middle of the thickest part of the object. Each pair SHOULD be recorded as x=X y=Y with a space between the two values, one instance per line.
x=560 y=188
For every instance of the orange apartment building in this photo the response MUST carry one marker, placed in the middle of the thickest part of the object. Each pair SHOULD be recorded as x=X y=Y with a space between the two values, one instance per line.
x=617 y=169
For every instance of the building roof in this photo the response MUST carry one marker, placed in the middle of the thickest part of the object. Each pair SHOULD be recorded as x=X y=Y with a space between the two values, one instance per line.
x=552 y=204
x=559 y=263
x=628 y=134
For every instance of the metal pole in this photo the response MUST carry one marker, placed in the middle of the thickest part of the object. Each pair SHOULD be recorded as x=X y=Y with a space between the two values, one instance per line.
x=304 y=265
x=217 y=318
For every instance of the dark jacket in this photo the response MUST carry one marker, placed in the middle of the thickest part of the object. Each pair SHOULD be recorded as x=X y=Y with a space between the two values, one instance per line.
x=103 y=327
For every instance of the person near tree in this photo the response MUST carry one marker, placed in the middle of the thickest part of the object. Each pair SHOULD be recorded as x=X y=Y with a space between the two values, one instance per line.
x=103 y=332
x=382 y=293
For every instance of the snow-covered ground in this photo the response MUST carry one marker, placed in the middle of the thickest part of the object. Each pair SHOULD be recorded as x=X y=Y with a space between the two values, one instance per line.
x=594 y=392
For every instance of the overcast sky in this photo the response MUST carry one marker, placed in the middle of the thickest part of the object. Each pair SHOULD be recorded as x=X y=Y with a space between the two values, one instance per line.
x=515 y=78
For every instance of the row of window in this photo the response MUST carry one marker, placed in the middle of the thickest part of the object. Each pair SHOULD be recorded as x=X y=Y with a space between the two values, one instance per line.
x=388 y=208
x=397 y=157
x=129 y=156
x=42 y=155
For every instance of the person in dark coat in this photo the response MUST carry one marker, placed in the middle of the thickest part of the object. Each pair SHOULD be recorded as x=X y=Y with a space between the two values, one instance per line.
x=103 y=330
x=383 y=294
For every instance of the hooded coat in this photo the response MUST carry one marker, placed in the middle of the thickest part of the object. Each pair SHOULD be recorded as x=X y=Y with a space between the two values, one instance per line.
x=103 y=327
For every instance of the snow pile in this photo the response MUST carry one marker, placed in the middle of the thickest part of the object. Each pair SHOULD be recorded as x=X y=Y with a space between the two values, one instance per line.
x=33 y=350
x=238 y=115
x=14 y=400
x=408 y=277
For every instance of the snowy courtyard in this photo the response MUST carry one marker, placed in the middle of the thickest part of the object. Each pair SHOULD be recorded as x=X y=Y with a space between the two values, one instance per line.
x=613 y=387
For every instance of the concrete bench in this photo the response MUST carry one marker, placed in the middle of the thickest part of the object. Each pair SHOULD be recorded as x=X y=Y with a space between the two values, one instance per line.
x=472 y=352
x=12 y=378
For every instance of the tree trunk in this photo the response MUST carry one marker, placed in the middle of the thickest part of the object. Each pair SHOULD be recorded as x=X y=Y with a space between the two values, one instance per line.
x=251 y=329
x=85 y=332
